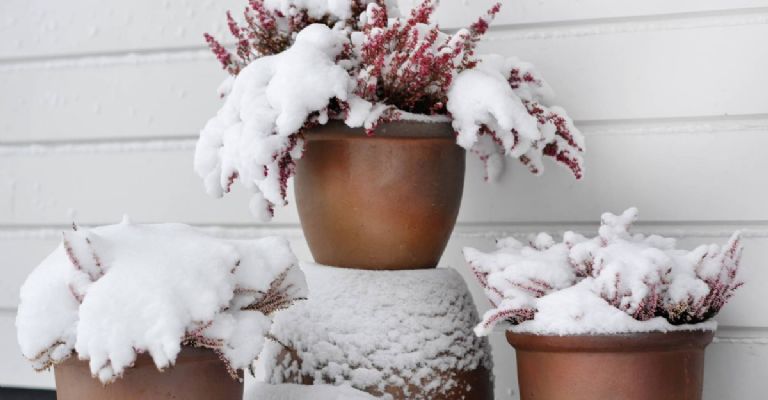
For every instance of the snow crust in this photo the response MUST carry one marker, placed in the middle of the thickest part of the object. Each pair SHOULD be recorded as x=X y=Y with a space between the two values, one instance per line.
x=616 y=282
x=111 y=292
x=378 y=330
x=264 y=391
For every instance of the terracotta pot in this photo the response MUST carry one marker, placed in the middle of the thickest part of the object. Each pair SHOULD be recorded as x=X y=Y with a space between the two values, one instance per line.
x=198 y=374
x=642 y=366
x=384 y=202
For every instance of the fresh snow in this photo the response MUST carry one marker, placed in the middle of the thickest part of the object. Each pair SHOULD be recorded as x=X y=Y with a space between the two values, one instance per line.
x=379 y=330
x=482 y=97
x=269 y=101
x=577 y=310
x=616 y=282
x=263 y=391
x=111 y=292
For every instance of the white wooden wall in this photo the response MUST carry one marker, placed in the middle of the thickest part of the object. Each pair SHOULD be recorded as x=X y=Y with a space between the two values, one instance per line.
x=100 y=104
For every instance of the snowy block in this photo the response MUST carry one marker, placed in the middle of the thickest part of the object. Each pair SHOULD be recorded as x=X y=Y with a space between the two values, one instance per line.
x=405 y=333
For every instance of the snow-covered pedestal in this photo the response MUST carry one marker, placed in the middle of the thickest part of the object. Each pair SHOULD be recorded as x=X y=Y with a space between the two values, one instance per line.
x=405 y=334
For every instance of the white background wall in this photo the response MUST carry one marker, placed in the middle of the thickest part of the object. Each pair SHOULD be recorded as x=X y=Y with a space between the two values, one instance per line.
x=100 y=104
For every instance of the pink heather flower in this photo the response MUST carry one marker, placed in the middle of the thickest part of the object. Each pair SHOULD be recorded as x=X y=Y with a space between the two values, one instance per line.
x=222 y=54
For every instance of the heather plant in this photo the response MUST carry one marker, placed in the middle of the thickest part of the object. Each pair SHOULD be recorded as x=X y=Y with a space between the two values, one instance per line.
x=110 y=293
x=644 y=277
x=270 y=27
x=359 y=61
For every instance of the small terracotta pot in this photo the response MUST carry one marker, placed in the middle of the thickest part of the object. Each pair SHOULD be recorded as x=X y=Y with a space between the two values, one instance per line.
x=198 y=374
x=642 y=366
x=389 y=201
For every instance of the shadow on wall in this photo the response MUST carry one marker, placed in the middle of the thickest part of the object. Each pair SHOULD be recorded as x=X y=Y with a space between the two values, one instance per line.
x=26 y=394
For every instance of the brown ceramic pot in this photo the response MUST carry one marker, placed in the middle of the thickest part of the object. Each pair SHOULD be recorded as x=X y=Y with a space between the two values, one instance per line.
x=642 y=366
x=198 y=374
x=388 y=201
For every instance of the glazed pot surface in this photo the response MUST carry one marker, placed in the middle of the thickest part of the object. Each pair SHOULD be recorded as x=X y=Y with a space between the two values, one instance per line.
x=642 y=366
x=198 y=374
x=389 y=201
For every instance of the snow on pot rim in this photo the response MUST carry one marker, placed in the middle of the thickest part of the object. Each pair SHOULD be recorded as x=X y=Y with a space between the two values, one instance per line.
x=111 y=292
x=578 y=311
x=614 y=283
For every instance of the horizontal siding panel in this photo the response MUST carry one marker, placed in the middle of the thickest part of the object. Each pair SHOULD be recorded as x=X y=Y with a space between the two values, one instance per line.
x=703 y=71
x=38 y=28
x=631 y=75
x=452 y=14
x=124 y=97
x=679 y=177
x=746 y=309
x=735 y=371
x=687 y=177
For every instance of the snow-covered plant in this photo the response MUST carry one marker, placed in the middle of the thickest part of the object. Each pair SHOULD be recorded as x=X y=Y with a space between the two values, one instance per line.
x=615 y=275
x=112 y=292
x=302 y=63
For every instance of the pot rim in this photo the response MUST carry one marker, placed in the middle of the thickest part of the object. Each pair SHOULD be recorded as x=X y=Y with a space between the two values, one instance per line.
x=400 y=129
x=612 y=343
x=187 y=354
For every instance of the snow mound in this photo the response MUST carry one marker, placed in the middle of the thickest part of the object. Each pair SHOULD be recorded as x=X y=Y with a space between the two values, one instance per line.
x=407 y=332
x=501 y=104
x=252 y=137
x=111 y=292
x=263 y=391
x=615 y=282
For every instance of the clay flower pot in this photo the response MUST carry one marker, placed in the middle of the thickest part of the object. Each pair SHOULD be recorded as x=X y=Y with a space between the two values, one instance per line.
x=388 y=201
x=198 y=374
x=639 y=366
